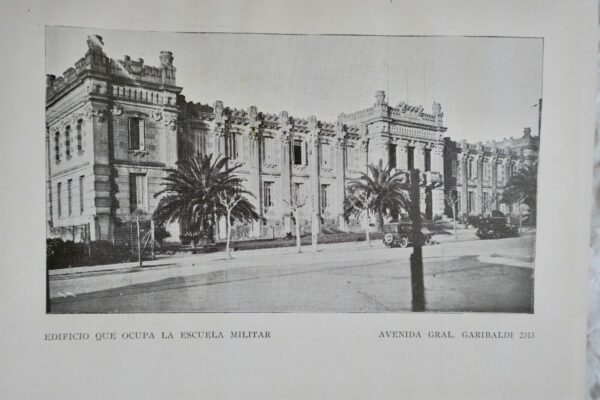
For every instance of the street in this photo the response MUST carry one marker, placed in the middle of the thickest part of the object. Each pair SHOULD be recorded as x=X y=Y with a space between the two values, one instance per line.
x=468 y=275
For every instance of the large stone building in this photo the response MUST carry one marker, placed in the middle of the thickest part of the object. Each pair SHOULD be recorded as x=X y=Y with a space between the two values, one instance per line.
x=114 y=126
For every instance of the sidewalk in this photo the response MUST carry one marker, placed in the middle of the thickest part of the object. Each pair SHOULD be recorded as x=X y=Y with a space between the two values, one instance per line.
x=191 y=259
x=187 y=259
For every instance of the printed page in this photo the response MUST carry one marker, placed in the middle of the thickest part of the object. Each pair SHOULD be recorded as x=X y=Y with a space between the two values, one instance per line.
x=303 y=200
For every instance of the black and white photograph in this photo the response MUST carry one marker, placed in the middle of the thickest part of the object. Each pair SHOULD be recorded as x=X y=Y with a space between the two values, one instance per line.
x=280 y=173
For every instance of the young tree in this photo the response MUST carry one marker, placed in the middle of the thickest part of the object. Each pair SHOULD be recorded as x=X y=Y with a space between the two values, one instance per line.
x=190 y=195
x=295 y=204
x=452 y=202
x=229 y=201
x=360 y=205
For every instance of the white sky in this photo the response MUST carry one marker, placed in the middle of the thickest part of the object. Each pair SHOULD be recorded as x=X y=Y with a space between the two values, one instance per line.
x=487 y=86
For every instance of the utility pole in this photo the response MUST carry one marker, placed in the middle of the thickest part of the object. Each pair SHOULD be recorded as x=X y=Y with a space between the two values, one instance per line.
x=539 y=117
x=416 y=258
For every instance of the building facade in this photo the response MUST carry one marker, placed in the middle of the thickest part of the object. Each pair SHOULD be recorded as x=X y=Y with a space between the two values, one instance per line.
x=114 y=126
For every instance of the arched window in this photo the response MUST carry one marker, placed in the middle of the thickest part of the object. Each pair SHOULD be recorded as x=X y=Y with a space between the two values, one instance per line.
x=79 y=136
x=57 y=146
x=68 y=141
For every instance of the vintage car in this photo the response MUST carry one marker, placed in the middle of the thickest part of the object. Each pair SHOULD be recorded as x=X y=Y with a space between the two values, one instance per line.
x=399 y=234
x=496 y=226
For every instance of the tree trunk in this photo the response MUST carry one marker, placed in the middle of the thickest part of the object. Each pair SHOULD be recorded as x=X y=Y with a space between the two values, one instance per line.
x=313 y=232
x=454 y=218
x=297 y=228
x=228 y=233
x=379 y=221
x=368 y=231
x=520 y=218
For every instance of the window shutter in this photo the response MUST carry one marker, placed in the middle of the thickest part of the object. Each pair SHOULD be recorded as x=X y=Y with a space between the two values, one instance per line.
x=133 y=202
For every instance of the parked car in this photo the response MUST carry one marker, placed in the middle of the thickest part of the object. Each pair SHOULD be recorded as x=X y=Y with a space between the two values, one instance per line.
x=399 y=234
x=496 y=226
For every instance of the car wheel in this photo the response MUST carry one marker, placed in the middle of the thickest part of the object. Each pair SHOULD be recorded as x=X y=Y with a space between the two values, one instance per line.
x=403 y=241
x=427 y=241
x=495 y=235
x=388 y=239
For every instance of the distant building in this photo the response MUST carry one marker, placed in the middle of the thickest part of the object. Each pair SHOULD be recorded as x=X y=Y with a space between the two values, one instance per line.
x=114 y=126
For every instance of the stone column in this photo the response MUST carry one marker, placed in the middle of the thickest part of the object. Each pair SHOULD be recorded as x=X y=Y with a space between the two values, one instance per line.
x=379 y=149
x=402 y=155
x=313 y=148
x=218 y=142
x=286 y=178
x=171 y=129
x=103 y=144
x=463 y=159
x=253 y=183
x=364 y=149
x=437 y=165
x=364 y=145
x=419 y=156
x=419 y=162
x=479 y=196
x=340 y=184
x=494 y=163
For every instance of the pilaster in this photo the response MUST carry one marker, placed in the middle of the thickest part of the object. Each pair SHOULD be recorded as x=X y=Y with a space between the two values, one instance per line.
x=437 y=165
x=286 y=173
x=463 y=159
x=479 y=196
x=313 y=146
x=402 y=155
x=340 y=185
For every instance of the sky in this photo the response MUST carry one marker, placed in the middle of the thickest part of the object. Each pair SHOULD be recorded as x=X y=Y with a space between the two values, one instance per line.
x=487 y=86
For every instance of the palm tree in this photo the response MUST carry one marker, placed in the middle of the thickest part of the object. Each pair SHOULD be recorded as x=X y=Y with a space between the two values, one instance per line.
x=387 y=189
x=191 y=195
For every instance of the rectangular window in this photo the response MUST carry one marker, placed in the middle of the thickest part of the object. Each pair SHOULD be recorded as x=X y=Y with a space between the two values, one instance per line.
x=231 y=149
x=200 y=143
x=484 y=200
x=470 y=201
x=324 y=203
x=68 y=142
x=79 y=136
x=453 y=168
x=298 y=193
x=392 y=155
x=59 y=198
x=138 y=192
x=57 y=146
x=297 y=152
x=70 y=196
x=427 y=160
x=81 y=194
x=137 y=133
x=267 y=199
x=410 y=155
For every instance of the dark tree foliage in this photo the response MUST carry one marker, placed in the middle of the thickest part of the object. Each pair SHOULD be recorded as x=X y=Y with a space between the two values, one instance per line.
x=522 y=187
x=190 y=195
x=388 y=190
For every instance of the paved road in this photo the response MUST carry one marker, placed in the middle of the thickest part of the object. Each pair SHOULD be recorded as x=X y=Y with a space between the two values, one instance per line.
x=469 y=275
